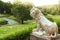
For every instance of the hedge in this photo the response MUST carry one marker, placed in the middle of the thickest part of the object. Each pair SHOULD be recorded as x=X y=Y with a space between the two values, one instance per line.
x=16 y=32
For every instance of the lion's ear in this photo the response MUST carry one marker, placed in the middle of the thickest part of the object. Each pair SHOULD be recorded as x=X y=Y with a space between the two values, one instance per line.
x=32 y=9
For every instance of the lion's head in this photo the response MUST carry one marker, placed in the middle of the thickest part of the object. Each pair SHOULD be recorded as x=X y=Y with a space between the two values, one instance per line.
x=35 y=12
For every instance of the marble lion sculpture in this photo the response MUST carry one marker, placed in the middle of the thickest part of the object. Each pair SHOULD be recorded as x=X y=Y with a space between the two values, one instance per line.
x=43 y=24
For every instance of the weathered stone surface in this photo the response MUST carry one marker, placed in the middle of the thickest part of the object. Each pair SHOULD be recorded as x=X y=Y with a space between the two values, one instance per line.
x=35 y=37
x=45 y=29
x=43 y=24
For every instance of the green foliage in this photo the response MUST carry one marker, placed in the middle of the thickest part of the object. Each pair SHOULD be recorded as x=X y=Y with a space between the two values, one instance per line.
x=21 y=12
x=51 y=9
x=5 y=7
x=16 y=32
x=12 y=17
x=2 y=21
x=22 y=31
x=1 y=6
x=49 y=17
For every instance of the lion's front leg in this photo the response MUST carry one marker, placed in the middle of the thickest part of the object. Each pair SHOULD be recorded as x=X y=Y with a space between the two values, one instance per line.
x=39 y=27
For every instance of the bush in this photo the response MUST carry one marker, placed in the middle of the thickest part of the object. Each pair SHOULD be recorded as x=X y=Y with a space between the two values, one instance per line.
x=51 y=9
x=16 y=32
x=2 y=21
x=12 y=17
x=51 y=19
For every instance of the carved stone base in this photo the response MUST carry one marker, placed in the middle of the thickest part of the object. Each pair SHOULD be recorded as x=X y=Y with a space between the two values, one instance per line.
x=37 y=37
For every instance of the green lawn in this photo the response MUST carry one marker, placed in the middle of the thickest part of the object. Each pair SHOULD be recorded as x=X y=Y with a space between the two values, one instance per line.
x=10 y=32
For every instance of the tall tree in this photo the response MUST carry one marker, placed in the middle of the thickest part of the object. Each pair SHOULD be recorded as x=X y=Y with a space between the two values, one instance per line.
x=21 y=12
x=1 y=7
x=7 y=7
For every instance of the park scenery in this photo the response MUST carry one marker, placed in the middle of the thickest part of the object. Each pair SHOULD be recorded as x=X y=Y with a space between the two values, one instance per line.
x=16 y=22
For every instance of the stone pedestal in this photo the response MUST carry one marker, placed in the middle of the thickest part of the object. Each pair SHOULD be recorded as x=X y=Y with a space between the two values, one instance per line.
x=43 y=37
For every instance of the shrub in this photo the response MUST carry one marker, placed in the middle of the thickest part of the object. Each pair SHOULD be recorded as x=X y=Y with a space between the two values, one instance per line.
x=16 y=32
x=2 y=21
x=51 y=9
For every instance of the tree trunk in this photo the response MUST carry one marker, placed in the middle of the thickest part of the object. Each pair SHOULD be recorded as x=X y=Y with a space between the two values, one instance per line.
x=22 y=22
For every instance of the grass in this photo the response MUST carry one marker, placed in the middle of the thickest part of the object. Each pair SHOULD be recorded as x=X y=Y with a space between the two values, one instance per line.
x=2 y=21
x=12 y=17
x=13 y=32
